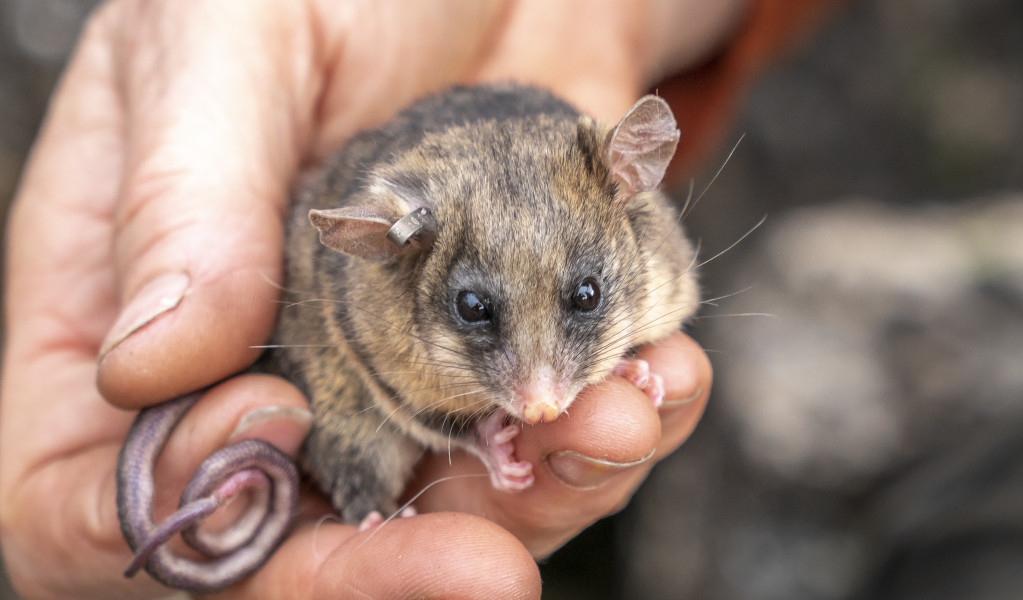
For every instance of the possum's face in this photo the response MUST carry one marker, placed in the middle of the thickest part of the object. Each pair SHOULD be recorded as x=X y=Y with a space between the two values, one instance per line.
x=549 y=252
x=528 y=298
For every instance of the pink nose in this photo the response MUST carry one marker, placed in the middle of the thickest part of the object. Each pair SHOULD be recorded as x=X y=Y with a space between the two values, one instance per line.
x=538 y=401
x=539 y=411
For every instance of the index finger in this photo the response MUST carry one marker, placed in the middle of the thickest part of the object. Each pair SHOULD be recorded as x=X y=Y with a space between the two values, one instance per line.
x=215 y=119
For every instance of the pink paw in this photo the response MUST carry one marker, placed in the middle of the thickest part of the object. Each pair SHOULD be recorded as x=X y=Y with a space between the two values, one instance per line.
x=495 y=448
x=375 y=519
x=371 y=521
x=637 y=372
x=506 y=473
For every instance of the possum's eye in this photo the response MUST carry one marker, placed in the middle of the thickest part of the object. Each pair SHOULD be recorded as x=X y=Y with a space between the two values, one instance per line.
x=473 y=307
x=586 y=296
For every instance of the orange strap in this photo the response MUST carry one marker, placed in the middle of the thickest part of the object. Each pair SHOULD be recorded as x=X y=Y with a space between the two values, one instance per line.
x=705 y=99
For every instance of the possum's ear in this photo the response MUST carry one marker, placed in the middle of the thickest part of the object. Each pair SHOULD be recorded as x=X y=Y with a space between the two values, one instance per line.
x=375 y=231
x=637 y=151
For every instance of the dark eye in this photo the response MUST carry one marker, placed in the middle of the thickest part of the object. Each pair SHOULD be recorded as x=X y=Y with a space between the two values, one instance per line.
x=472 y=307
x=586 y=296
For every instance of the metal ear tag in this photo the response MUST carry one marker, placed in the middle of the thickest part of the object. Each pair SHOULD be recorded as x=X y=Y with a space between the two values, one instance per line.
x=418 y=222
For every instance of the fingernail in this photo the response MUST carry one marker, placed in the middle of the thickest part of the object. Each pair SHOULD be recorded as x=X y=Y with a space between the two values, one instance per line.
x=585 y=472
x=300 y=416
x=154 y=299
x=281 y=424
x=668 y=404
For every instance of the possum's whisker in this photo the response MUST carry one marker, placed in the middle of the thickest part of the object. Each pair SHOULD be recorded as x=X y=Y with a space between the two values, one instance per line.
x=443 y=400
x=748 y=233
x=625 y=337
x=412 y=335
x=401 y=401
x=467 y=379
x=395 y=327
x=452 y=366
x=687 y=270
x=437 y=363
x=480 y=410
x=682 y=307
x=277 y=285
x=689 y=200
x=670 y=315
x=749 y=314
x=616 y=346
x=637 y=321
x=694 y=265
x=427 y=407
x=461 y=384
x=714 y=178
x=690 y=204
x=415 y=497
x=286 y=304
x=282 y=346
x=477 y=409
x=712 y=301
x=686 y=209
x=316 y=528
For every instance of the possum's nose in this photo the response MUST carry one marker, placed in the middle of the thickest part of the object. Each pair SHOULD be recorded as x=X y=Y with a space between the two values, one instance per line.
x=539 y=400
x=539 y=410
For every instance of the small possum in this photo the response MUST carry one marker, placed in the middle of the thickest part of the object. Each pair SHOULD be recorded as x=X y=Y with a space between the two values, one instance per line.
x=467 y=267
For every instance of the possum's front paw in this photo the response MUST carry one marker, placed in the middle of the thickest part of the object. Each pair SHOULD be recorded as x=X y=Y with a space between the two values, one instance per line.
x=376 y=518
x=493 y=446
x=637 y=372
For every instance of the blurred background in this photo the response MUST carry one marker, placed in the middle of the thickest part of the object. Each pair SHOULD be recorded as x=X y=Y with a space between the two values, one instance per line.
x=865 y=435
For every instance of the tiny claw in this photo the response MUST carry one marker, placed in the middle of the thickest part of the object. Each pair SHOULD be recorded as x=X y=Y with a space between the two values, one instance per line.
x=494 y=446
x=517 y=469
x=637 y=372
x=370 y=521
x=507 y=434
x=512 y=477
x=655 y=390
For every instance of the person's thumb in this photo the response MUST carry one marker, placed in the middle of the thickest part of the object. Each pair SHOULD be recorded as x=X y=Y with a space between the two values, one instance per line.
x=215 y=116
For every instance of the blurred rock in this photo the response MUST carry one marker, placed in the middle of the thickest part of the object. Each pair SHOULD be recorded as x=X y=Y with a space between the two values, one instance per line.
x=877 y=407
x=46 y=30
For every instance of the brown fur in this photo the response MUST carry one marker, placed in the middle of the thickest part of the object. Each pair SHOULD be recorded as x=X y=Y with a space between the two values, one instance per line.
x=528 y=201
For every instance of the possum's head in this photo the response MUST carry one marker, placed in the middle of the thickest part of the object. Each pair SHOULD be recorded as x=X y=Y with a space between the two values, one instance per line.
x=534 y=251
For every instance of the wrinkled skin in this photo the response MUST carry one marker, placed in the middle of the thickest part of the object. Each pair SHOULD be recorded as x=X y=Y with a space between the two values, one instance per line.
x=147 y=232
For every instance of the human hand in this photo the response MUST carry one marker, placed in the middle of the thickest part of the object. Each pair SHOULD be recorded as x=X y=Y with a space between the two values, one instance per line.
x=147 y=229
